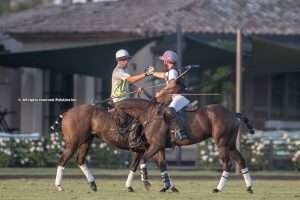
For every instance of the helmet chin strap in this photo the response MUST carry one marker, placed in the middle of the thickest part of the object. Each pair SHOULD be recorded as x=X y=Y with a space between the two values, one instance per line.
x=168 y=66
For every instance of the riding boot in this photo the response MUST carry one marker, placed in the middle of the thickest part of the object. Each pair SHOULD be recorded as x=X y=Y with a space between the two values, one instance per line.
x=176 y=125
x=135 y=139
x=178 y=129
x=124 y=122
x=132 y=136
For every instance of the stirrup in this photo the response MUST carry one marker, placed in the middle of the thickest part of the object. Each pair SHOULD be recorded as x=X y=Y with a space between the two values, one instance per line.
x=182 y=135
x=179 y=134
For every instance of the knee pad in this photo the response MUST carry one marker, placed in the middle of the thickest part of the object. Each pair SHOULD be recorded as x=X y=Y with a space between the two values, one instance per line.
x=169 y=113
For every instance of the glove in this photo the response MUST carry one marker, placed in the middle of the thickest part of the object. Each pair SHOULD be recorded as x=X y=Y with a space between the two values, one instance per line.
x=139 y=91
x=149 y=70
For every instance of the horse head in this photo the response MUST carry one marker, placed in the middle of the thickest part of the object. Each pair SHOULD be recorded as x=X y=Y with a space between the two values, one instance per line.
x=140 y=109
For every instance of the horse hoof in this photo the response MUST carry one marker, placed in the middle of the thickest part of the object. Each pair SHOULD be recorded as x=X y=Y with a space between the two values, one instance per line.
x=174 y=189
x=59 y=188
x=216 y=190
x=93 y=186
x=163 y=189
x=130 y=189
x=250 y=190
x=147 y=185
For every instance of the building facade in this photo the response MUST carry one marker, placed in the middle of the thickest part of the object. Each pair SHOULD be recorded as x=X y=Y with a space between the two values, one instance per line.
x=273 y=96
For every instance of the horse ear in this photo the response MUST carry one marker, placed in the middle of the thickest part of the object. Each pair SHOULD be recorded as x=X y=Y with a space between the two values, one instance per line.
x=158 y=112
x=153 y=100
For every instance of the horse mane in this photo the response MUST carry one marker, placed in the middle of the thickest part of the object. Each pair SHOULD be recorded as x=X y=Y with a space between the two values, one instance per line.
x=99 y=107
x=134 y=102
x=133 y=106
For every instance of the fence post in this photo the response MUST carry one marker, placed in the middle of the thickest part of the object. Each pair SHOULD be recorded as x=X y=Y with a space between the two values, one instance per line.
x=238 y=81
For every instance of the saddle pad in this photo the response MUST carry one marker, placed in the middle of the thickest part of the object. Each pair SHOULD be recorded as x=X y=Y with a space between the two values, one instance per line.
x=192 y=107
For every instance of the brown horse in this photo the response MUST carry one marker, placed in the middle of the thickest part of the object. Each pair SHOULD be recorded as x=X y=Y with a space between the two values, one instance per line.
x=210 y=121
x=80 y=125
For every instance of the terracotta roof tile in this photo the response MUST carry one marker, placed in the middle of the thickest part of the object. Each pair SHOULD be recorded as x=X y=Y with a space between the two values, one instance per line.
x=157 y=16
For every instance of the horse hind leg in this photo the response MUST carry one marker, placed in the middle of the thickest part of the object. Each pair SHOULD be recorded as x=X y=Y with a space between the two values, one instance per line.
x=225 y=158
x=132 y=169
x=64 y=158
x=81 y=155
x=238 y=158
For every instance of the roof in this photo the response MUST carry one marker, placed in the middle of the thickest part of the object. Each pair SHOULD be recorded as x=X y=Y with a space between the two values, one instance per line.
x=92 y=60
x=156 y=16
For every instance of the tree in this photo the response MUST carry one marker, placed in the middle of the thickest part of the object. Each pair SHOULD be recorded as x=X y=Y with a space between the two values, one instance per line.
x=219 y=81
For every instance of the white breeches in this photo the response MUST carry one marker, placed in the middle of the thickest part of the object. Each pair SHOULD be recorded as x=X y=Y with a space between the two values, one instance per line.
x=178 y=102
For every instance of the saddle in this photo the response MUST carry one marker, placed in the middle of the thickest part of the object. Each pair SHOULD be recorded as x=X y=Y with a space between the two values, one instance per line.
x=123 y=121
x=131 y=127
x=182 y=119
x=192 y=107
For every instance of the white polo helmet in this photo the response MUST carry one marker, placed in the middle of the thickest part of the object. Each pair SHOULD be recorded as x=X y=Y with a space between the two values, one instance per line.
x=122 y=54
x=169 y=56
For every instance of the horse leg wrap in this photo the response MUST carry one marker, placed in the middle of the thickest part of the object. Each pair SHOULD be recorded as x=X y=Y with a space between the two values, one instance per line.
x=144 y=172
x=166 y=179
x=247 y=177
x=223 y=180
x=59 y=175
x=129 y=179
x=90 y=178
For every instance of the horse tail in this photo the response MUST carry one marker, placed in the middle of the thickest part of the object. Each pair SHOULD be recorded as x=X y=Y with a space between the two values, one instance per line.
x=56 y=126
x=246 y=121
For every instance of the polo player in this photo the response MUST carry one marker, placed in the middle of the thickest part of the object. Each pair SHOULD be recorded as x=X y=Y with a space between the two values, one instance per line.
x=120 y=91
x=170 y=94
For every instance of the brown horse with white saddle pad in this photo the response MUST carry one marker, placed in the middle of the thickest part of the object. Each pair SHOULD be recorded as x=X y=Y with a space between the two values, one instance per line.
x=79 y=126
x=212 y=121
x=82 y=123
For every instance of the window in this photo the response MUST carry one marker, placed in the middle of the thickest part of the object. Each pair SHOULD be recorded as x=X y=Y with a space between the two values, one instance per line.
x=277 y=96
x=294 y=95
x=285 y=102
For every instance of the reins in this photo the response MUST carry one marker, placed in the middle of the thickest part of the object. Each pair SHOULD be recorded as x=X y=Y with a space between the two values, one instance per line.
x=146 y=122
x=188 y=68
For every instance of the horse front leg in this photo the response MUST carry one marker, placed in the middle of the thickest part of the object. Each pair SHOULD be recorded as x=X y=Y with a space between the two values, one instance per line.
x=132 y=169
x=152 y=150
x=161 y=163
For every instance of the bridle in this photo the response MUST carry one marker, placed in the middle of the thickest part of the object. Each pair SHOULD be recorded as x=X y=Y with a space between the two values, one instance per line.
x=154 y=118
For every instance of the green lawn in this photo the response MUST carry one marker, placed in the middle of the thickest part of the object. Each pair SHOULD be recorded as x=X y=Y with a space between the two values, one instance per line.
x=124 y=172
x=23 y=189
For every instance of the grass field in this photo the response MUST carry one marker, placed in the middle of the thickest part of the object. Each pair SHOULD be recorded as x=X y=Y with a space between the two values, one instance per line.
x=190 y=184
x=124 y=172
x=29 y=189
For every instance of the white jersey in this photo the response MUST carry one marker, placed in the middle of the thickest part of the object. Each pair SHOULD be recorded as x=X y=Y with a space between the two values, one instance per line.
x=172 y=74
x=178 y=101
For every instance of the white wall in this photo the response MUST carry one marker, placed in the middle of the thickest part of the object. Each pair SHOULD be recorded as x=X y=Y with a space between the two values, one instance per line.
x=31 y=113
x=84 y=89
